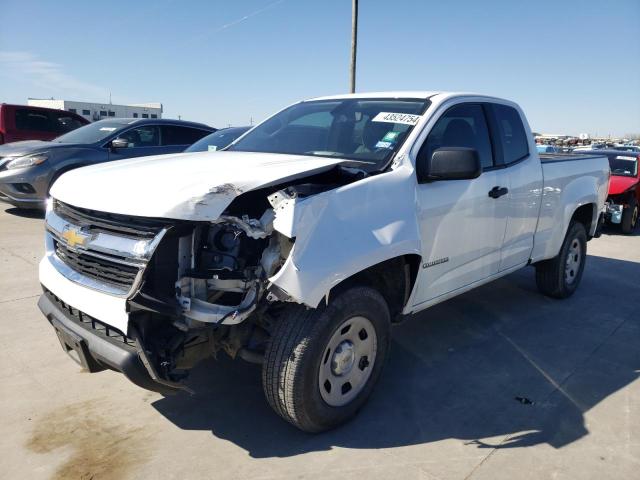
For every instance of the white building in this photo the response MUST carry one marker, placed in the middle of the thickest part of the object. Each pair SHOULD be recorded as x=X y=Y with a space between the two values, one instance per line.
x=100 y=111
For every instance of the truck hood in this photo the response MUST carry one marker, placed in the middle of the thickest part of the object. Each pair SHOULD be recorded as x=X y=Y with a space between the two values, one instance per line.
x=187 y=186
x=619 y=184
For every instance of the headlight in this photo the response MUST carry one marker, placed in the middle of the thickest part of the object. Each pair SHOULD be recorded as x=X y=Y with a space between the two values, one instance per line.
x=27 y=161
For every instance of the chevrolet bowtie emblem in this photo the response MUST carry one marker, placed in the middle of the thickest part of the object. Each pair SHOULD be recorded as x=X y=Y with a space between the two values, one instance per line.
x=74 y=236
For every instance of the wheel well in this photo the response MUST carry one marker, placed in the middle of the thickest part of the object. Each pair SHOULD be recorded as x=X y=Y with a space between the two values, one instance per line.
x=584 y=215
x=393 y=278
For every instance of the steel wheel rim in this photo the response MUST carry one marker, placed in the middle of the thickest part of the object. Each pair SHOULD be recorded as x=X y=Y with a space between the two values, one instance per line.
x=347 y=361
x=574 y=259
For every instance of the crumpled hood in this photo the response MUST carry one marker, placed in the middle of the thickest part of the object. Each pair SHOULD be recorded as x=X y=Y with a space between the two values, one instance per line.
x=188 y=186
x=619 y=184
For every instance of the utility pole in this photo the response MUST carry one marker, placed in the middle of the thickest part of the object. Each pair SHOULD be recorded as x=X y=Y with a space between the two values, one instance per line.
x=354 y=43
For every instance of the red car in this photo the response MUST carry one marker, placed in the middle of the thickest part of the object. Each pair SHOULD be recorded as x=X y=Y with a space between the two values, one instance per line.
x=21 y=122
x=623 y=202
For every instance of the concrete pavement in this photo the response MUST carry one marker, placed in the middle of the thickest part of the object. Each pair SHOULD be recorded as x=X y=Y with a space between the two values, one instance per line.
x=498 y=383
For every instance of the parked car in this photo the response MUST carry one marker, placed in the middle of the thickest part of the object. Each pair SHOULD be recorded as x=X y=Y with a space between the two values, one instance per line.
x=623 y=200
x=589 y=148
x=217 y=140
x=21 y=122
x=548 y=149
x=306 y=239
x=627 y=148
x=28 y=169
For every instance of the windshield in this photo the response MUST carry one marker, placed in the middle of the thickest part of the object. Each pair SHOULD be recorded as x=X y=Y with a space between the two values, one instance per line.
x=217 y=140
x=92 y=133
x=624 y=166
x=368 y=130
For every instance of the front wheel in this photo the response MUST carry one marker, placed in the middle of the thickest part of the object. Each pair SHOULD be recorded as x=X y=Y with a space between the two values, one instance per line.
x=559 y=277
x=321 y=365
x=630 y=218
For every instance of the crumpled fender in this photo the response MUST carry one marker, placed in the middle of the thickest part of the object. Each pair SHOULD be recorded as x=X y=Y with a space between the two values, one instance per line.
x=341 y=232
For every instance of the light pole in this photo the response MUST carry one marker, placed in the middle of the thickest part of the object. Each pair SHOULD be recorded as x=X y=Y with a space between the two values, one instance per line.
x=354 y=44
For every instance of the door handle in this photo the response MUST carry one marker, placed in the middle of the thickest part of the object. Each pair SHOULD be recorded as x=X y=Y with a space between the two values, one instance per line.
x=497 y=192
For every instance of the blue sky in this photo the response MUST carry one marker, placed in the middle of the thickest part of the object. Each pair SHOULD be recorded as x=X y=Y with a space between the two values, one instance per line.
x=574 y=66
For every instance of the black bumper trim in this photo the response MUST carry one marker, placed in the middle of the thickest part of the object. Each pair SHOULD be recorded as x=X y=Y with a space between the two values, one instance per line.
x=110 y=353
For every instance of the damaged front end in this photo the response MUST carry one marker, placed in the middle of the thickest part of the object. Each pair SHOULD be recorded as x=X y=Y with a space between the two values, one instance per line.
x=177 y=290
x=203 y=283
x=207 y=287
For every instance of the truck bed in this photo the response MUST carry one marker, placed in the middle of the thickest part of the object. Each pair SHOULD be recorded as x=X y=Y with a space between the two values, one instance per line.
x=562 y=180
x=565 y=157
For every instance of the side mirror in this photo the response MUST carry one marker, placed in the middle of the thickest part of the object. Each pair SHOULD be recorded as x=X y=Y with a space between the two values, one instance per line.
x=117 y=143
x=451 y=163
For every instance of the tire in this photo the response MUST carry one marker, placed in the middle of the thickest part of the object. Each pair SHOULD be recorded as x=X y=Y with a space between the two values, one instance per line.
x=312 y=347
x=630 y=218
x=560 y=276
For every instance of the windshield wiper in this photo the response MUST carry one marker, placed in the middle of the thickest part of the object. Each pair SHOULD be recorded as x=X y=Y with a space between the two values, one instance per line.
x=358 y=162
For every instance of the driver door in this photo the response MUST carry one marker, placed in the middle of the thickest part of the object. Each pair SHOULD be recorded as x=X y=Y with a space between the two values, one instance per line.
x=462 y=225
x=143 y=141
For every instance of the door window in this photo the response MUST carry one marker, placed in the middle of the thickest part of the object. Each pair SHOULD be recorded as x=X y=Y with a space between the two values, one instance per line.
x=511 y=133
x=147 y=136
x=461 y=126
x=175 y=135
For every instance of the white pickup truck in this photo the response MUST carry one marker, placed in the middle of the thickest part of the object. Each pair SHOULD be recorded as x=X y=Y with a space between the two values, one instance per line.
x=302 y=242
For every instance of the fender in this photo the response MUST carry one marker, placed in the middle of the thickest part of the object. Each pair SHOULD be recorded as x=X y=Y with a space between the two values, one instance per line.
x=344 y=231
x=558 y=207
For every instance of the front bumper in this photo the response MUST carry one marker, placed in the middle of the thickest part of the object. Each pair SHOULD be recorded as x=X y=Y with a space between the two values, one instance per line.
x=96 y=346
x=24 y=188
x=20 y=202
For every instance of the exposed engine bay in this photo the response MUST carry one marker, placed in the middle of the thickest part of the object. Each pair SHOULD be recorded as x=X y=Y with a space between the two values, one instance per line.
x=222 y=296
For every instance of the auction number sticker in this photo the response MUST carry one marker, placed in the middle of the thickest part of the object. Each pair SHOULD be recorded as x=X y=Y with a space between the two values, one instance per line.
x=390 y=117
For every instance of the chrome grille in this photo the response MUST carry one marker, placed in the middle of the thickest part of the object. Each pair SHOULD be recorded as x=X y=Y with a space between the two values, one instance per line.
x=109 y=271
x=102 y=251
x=123 y=225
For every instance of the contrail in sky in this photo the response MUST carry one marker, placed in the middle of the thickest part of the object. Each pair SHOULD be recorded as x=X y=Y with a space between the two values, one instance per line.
x=239 y=20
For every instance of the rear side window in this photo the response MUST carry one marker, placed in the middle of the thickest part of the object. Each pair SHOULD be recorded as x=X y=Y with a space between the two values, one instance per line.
x=511 y=133
x=65 y=123
x=174 y=135
x=461 y=126
x=35 y=120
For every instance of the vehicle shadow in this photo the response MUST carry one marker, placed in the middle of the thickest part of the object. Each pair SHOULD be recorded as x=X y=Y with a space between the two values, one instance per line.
x=616 y=231
x=500 y=361
x=25 y=212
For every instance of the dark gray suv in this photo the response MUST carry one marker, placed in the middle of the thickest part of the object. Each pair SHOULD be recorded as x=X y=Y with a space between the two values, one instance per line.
x=28 y=169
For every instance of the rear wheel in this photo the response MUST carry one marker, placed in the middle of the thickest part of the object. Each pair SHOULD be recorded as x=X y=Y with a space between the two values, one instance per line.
x=321 y=365
x=560 y=276
x=630 y=217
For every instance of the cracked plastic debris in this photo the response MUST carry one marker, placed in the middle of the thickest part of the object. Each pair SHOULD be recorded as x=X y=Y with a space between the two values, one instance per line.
x=226 y=189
